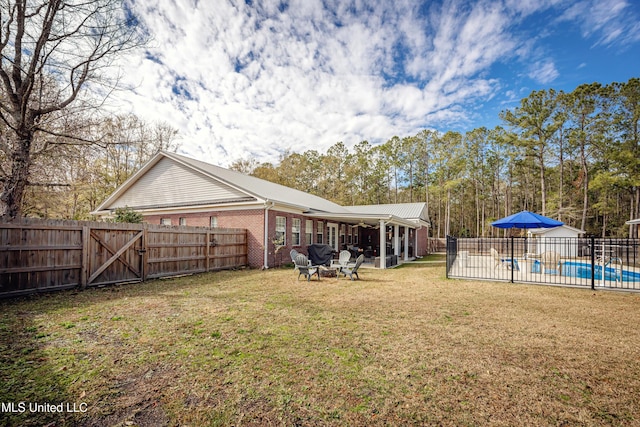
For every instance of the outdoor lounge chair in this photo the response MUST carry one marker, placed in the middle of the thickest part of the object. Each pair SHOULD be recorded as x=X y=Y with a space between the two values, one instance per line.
x=353 y=271
x=303 y=266
x=343 y=260
x=503 y=262
x=293 y=255
x=550 y=261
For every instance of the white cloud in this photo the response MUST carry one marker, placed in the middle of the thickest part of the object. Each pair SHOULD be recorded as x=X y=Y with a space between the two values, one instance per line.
x=242 y=80
x=543 y=72
x=608 y=21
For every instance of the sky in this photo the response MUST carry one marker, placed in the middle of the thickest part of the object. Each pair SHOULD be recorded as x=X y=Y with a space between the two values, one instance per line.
x=255 y=79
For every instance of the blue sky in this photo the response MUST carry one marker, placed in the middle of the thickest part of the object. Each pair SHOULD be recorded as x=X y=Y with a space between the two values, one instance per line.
x=252 y=79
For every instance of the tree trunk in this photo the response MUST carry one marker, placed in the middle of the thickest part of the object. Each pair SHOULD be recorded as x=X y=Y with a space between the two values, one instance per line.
x=543 y=184
x=585 y=189
x=426 y=186
x=477 y=196
x=439 y=215
x=447 y=214
x=16 y=183
x=561 y=196
x=411 y=182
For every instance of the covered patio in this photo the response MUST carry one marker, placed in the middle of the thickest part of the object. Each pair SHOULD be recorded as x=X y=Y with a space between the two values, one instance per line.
x=377 y=236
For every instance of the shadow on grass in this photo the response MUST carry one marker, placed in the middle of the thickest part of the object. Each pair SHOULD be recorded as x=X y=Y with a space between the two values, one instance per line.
x=34 y=392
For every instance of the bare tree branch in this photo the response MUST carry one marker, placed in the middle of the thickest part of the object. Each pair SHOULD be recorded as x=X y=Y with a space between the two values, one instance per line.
x=49 y=52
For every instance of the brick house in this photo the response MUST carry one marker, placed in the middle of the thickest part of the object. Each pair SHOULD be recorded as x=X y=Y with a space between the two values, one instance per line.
x=176 y=190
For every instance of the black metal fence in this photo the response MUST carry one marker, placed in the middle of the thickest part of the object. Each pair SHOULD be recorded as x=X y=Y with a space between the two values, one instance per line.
x=583 y=262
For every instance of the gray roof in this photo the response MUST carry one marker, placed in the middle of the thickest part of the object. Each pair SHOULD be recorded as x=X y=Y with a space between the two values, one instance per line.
x=546 y=230
x=401 y=210
x=261 y=188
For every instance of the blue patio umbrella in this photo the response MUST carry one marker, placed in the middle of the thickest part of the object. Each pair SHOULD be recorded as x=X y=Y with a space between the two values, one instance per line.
x=526 y=219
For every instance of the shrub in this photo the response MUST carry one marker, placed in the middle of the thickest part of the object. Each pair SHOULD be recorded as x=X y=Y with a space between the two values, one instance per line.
x=127 y=214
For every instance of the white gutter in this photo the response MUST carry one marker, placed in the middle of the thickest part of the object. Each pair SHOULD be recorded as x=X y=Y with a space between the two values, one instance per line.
x=266 y=232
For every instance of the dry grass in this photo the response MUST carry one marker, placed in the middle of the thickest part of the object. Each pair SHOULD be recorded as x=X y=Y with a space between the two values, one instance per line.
x=400 y=347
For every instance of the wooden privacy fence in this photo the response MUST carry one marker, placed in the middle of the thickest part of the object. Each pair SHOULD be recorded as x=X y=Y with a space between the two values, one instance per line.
x=43 y=255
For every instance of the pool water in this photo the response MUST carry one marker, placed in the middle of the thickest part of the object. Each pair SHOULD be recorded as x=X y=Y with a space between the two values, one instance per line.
x=583 y=270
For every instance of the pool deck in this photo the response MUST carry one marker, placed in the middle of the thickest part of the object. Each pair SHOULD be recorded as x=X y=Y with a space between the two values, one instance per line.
x=485 y=267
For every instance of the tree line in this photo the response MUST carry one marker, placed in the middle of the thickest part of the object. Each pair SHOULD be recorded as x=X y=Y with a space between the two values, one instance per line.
x=571 y=156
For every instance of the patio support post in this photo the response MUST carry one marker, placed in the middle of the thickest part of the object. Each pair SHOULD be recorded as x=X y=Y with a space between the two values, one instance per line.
x=383 y=244
x=406 y=243
x=396 y=240
x=267 y=205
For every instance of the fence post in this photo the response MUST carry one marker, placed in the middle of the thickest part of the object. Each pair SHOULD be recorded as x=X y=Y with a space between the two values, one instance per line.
x=206 y=251
x=86 y=243
x=145 y=252
x=512 y=259
x=593 y=263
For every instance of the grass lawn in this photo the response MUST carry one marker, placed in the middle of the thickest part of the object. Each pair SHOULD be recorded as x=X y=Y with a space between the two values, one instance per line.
x=400 y=347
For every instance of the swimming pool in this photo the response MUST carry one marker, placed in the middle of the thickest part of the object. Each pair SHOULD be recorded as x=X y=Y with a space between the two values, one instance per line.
x=583 y=270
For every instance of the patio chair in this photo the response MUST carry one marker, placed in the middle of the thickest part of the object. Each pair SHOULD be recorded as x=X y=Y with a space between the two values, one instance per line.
x=503 y=262
x=343 y=260
x=496 y=258
x=293 y=255
x=550 y=260
x=353 y=271
x=304 y=267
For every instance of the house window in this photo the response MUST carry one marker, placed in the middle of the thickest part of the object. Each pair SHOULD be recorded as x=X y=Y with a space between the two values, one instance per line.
x=183 y=221
x=213 y=222
x=165 y=221
x=308 y=229
x=281 y=230
x=295 y=232
x=342 y=234
x=320 y=232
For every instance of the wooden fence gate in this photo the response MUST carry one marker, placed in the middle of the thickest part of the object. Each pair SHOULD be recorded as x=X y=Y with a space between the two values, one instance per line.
x=37 y=255
x=113 y=256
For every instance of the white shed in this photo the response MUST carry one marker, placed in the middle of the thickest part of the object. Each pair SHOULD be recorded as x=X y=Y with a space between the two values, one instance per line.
x=635 y=222
x=556 y=239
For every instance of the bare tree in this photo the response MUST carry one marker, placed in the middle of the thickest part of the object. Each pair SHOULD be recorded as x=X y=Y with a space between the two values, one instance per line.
x=51 y=51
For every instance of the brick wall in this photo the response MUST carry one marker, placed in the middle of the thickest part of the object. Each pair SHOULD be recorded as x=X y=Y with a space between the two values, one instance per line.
x=282 y=256
x=252 y=220
x=423 y=237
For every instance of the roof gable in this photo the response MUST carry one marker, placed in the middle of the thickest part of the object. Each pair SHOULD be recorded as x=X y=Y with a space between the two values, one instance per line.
x=263 y=189
x=170 y=183
x=172 y=180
